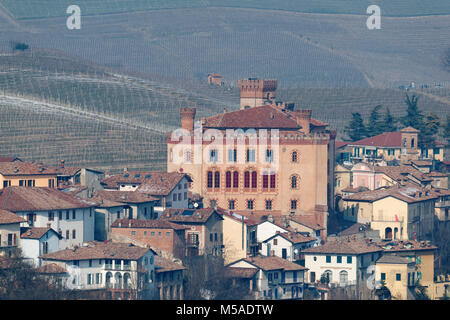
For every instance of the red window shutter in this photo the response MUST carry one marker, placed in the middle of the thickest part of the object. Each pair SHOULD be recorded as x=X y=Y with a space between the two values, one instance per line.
x=34 y=217
x=15 y=239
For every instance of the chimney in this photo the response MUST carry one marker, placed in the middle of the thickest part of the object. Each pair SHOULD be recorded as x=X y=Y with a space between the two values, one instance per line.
x=61 y=163
x=48 y=225
x=187 y=116
x=303 y=118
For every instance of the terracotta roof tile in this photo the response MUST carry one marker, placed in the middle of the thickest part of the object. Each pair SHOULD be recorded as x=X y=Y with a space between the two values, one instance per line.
x=99 y=250
x=7 y=217
x=245 y=273
x=165 y=265
x=151 y=182
x=344 y=247
x=393 y=259
x=408 y=193
x=386 y=139
x=25 y=168
x=267 y=116
x=274 y=263
x=51 y=268
x=39 y=199
x=124 y=196
x=188 y=215
x=292 y=237
x=150 y=224
x=406 y=245
x=34 y=232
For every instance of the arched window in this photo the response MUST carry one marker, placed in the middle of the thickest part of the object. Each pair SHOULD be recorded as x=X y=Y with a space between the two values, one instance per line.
x=235 y=179
x=228 y=179
x=395 y=233
x=294 y=182
x=294 y=156
x=412 y=143
x=210 y=179
x=388 y=233
x=343 y=278
x=254 y=180
x=328 y=275
x=217 y=179
x=246 y=179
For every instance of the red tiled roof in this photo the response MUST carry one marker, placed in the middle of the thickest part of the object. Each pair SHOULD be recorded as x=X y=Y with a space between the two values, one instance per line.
x=34 y=232
x=401 y=172
x=248 y=219
x=150 y=224
x=344 y=247
x=165 y=265
x=7 y=217
x=51 y=268
x=267 y=116
x=339 y=144
x=386 y=139
x=25 y=168
x=188 y=215
x=309 y=221
x=156 y=183
x=273 y=263
x=245 y=273
x=99 y=250
x=407 y=193
x=124 y=196
x=406 y=245
x=292 y=237
x=9 y=159
x=39 y=199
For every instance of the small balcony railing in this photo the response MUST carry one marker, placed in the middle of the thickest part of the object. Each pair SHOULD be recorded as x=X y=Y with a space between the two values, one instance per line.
x=8 y=244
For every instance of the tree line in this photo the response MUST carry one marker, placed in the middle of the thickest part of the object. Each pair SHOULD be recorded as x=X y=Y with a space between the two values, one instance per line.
x=429 y=124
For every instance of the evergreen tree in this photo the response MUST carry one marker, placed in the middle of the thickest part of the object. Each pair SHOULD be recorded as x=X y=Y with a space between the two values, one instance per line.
x=429 y=130
x=356 y=130
x=375 y=125
x=414 y=117
x=389 y=122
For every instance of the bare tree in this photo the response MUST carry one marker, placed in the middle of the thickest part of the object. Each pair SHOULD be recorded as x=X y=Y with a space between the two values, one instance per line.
x=446 y=59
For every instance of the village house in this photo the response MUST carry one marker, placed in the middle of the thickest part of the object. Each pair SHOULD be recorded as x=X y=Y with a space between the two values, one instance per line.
x=27 y=174
x=106 y=212
x=166 y=237
x=240 y=236
x=399 y=276
x=118 y=270
x=389 y=146
x=342 y=263
x=240 y=176
x=9 y=233
x=287 y=245
x=169 y=188
x=169 y=279
x=397 y=212
x=71 y=217
x=422 y=254
x=204 y=229
x=38 y=241
x=136 y=205
x=269 y=278
x=76 y=176
x=442 y=205
x=216 y=79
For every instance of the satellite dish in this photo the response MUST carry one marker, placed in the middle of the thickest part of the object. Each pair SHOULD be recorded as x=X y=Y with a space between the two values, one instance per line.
x=195 y=205
x=296 y=251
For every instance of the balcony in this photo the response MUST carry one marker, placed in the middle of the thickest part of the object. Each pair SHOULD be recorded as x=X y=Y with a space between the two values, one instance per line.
x=5 y=244
x=192 y=243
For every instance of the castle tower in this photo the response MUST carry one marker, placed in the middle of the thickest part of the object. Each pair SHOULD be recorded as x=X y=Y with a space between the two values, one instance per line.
x=187 y=116
x=256 y=92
